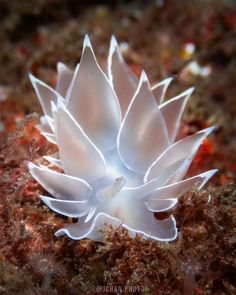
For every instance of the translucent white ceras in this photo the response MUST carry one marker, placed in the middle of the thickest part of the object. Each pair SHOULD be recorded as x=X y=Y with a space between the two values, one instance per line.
x=116 y=142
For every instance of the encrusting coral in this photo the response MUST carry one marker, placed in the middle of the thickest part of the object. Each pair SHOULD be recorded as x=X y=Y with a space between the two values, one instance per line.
x=116 y=141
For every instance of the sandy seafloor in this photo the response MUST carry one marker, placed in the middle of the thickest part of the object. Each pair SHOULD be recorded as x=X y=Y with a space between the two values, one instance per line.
x=194 y=41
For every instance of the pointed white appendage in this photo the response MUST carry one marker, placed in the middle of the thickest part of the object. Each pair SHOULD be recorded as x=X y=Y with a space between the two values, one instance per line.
x=153 y=200
x=53 y=161
x=45 y=94
x=91 y=93
x=169 y=191
x=87 y=43
x=64 y=79
x=61 y=186
x=68 y=208
x=159 y=89
x=183 y=150
x=143 y=134
x=150 y=191
x=77 y=152
x=173 y=173
x=123 y=80
x=172 y=111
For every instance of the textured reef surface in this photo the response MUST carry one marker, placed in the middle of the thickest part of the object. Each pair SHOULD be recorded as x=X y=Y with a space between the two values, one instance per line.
x=194 y=42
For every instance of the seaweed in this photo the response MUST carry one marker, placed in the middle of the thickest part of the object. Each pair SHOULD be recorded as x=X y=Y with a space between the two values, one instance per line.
x=202 y=259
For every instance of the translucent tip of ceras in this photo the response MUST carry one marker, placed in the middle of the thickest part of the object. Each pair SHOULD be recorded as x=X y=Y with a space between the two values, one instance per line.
x=114 y=49
x=113 y=44
x=208 y=130
x=143 y=77
x=32 y=78
x=189 y=91
x=110 y=191
x=165 y=83
x=87 y=42
x=61 y=67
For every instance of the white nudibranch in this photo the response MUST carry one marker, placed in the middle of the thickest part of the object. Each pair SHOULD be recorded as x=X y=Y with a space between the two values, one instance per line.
x=117 y=148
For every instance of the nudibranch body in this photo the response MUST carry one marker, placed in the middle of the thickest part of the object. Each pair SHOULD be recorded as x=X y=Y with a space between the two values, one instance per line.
x=116 y=142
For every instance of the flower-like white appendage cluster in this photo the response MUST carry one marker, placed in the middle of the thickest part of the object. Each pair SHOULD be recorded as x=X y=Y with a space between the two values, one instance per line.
x=116 y=142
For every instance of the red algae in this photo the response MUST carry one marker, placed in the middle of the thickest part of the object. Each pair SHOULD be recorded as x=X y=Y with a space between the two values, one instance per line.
x=34 y=36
